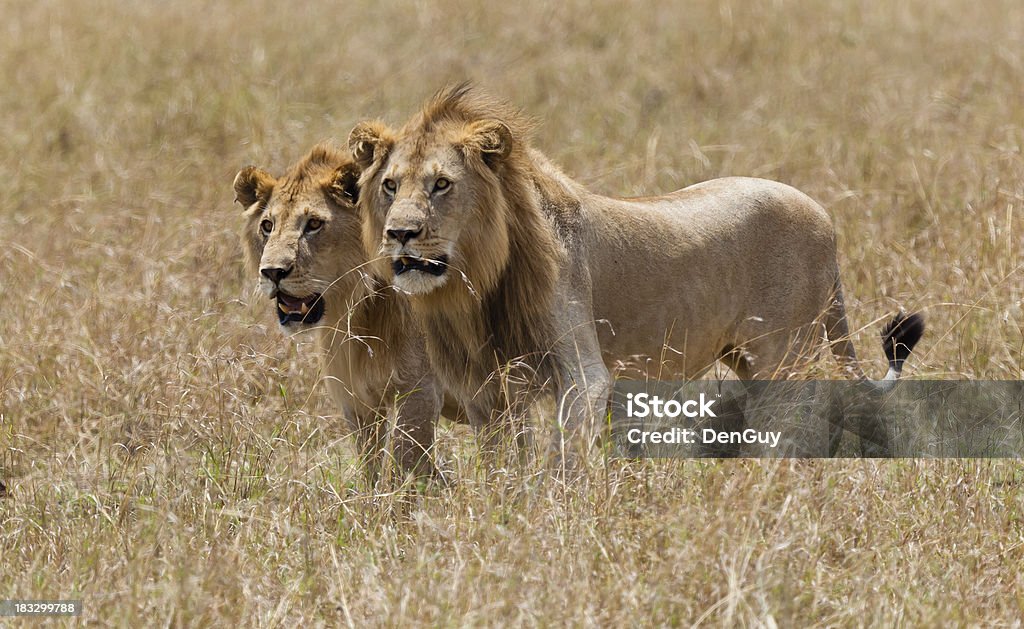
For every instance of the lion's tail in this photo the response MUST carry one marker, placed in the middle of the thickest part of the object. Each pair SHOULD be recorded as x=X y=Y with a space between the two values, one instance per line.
x=899 y=336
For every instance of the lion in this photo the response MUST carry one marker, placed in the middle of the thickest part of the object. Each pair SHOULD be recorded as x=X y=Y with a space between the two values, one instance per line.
x=302 y=238
x=509 y=261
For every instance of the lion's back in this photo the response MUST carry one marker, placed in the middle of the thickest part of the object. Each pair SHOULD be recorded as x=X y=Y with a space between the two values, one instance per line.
x=705 y=258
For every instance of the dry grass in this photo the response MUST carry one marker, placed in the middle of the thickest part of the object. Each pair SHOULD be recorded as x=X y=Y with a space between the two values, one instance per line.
x=171 y=460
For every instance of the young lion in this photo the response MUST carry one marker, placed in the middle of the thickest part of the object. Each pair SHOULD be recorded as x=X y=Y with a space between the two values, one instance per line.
x=302 y=234
x=508 y=261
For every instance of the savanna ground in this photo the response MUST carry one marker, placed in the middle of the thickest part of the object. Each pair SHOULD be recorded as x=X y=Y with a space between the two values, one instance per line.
x=170 y=458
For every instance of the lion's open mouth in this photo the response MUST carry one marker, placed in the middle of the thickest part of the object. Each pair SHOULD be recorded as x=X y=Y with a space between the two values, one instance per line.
x=303 y=309
x=404 y=264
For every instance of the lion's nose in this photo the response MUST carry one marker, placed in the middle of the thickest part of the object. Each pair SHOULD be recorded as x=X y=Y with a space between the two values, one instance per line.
x=403 y=235
x=275 y=274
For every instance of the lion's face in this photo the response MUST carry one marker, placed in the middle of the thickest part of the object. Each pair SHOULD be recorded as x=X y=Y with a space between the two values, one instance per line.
x=429 y=199
x=434 y=201
x=302 y=236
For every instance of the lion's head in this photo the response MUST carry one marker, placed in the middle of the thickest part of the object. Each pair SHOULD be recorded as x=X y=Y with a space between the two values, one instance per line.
x=302 y=235
x=441 y=194
x=454 y=203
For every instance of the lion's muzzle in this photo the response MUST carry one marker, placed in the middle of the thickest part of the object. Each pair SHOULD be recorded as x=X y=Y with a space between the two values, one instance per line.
x=418 y=263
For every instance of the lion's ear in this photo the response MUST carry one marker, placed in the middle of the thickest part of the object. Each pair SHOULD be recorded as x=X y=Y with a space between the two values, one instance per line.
x=343 y=185
x=252 y=184
x=492 y=139
x=370 y=142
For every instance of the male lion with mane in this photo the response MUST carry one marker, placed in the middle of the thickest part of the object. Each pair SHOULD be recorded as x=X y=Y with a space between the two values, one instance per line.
x=509 y=261
x=302 y=236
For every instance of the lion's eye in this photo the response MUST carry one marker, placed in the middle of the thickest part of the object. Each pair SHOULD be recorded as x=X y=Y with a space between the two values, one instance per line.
x=266 y=226
x=442 y=184
x=313 y=224
x=389 y=186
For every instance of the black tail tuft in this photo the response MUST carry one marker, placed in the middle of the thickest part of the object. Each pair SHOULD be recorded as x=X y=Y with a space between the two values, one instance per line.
x=900 y=335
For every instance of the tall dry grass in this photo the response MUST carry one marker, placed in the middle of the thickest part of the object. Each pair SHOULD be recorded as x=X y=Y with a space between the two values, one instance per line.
x=172 y=460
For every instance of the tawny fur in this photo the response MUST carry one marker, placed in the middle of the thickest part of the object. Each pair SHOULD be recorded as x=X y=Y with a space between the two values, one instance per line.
x=573 y=283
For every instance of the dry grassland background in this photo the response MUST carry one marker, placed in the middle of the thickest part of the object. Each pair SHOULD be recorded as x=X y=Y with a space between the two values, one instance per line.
x=171 y=459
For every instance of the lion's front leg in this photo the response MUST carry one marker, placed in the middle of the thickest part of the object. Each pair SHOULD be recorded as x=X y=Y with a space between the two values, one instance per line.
x=582 y=404
x=416 y=415
x=584 y=384
x=581 y=396
x=369 y=427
